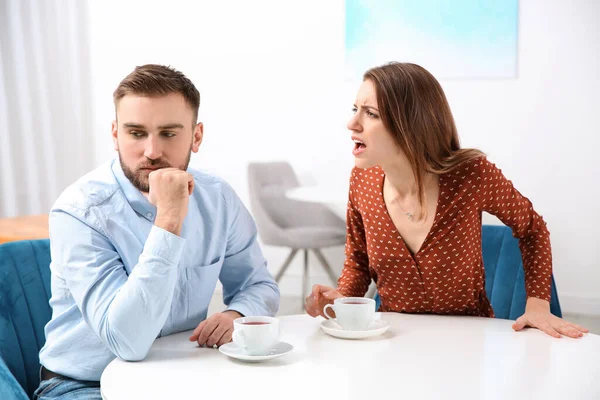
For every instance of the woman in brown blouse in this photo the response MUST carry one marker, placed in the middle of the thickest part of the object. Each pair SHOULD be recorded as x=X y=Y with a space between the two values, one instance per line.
x=415 y=205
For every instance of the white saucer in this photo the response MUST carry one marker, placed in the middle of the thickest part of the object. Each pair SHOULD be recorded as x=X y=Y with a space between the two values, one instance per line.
x=234 y=351
x=332 y=328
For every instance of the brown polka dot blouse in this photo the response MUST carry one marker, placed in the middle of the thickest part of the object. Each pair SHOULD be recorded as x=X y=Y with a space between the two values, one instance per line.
x=446 y=275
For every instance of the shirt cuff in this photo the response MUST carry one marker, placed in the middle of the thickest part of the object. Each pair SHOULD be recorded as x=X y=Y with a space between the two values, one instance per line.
x=242 y=309
x=164 y=244
x=543 y=296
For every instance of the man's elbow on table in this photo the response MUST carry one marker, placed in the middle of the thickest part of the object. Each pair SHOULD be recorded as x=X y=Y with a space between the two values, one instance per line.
x=131 y=354
x=128 y=350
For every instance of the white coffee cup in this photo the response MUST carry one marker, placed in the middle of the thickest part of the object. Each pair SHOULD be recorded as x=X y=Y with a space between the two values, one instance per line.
x=256 y=335
x=352 y=313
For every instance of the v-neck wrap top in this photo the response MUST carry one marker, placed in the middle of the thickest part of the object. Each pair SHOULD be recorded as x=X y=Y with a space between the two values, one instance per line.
x=446 y=275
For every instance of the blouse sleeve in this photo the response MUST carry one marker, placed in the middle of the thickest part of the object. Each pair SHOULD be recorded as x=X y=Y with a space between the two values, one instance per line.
x=500 y=198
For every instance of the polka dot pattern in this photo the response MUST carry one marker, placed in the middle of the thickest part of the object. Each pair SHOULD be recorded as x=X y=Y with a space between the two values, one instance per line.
x=446 y=275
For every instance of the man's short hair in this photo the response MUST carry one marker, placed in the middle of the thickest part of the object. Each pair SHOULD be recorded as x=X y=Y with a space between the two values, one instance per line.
x=158 y=80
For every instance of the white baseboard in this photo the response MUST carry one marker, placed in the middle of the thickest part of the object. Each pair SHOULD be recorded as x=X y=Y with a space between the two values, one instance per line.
x=584 y=304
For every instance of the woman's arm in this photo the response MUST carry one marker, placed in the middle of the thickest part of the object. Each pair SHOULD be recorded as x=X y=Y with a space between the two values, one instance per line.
x=500 y=198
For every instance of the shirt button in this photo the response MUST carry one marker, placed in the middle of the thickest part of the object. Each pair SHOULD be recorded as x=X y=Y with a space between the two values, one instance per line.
x=149 y=215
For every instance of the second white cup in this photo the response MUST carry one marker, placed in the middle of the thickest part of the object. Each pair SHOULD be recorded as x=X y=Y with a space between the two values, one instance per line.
x=352 y=313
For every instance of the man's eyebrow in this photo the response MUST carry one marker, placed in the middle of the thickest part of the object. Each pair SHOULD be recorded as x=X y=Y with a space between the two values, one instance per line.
x=133 y=125
x=171 y=126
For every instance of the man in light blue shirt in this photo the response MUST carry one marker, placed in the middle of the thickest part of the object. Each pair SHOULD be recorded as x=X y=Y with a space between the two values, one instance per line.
x=139 y=243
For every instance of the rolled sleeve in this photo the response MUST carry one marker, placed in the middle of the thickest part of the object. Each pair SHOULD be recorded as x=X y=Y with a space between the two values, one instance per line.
x=162 y=243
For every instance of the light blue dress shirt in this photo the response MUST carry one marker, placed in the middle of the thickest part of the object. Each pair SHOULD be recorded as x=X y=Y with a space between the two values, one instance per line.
x=119 y=282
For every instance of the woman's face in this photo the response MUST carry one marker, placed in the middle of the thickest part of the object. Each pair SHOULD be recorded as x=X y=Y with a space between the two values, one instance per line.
x=373 y=144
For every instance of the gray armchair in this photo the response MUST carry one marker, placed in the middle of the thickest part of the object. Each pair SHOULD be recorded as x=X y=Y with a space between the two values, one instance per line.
x=285 y=222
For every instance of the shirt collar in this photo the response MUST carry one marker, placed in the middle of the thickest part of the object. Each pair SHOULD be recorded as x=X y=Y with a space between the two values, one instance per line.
x=134 y=197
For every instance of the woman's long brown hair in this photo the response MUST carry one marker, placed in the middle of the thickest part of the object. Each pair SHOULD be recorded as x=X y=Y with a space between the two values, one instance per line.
x=414 y=110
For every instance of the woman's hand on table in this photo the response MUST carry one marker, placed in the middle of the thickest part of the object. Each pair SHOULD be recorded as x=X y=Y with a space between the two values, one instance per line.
x=537 y=315
x=320 y=296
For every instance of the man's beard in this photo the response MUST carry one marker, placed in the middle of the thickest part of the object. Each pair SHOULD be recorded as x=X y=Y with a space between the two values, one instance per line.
x=137 y=178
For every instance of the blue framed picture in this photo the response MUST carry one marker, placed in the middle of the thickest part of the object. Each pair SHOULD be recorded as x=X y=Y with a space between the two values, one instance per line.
x=453 y=39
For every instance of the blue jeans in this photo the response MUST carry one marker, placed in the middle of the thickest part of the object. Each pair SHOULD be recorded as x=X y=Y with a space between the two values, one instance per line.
x=67 y=389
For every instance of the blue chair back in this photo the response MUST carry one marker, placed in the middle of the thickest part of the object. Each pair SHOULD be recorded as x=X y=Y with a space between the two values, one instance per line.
x=504 y=277
x=24 y=311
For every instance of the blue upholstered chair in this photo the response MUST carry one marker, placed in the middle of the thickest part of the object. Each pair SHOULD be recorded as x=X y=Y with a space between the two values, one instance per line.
x=504 y=277
x=24 y=311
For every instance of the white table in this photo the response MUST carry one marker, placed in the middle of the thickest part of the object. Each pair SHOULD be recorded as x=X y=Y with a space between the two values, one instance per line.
x=420 y=357
x=333 y=196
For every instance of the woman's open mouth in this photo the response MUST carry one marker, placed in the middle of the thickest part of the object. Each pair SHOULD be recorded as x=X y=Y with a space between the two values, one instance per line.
x=359 y=147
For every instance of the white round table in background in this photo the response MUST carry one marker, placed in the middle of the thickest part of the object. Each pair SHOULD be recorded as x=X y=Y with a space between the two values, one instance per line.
x=419 y=357
x=334 y=197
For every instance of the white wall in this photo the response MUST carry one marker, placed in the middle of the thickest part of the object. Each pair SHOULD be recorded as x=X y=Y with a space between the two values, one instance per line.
x=270 y=75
